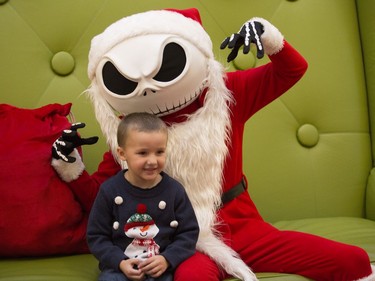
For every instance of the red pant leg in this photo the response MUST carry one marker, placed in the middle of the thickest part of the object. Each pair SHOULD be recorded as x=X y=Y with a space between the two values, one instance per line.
x=266 y=249
x=307 y=255
x=198 y=268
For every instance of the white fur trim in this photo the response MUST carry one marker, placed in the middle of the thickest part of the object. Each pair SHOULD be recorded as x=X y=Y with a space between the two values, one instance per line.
x=201 y=142
x=107 y=118
x=370 y=277
x=225 y=257
x=69 y=171
x=151 y=22
x=272 y=39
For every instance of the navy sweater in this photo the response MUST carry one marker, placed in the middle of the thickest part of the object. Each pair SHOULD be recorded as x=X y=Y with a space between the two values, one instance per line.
x=117 y=201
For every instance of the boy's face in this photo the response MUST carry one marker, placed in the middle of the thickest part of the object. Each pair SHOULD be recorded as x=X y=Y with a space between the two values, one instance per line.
x=145 y=155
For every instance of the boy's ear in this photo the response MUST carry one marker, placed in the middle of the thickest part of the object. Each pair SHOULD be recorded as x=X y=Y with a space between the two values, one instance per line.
x=121 y=153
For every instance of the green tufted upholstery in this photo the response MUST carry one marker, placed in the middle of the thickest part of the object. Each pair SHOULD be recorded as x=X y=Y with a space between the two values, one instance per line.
x=308 y=156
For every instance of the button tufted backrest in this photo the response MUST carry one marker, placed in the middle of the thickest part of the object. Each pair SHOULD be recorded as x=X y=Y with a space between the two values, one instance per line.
x=308 y=154
x=312 y=147
x=367 y=31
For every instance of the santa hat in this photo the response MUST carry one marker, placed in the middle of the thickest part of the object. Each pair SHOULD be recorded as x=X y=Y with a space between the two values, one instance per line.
x=139 y=219
x=183 y=23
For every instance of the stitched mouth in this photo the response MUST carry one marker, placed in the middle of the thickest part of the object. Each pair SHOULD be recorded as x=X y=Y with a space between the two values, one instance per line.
x=181 y=103
x=174 y=108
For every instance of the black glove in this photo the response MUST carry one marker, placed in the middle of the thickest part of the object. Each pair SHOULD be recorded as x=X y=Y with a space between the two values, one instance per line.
x=250 y=32
x=69 y=140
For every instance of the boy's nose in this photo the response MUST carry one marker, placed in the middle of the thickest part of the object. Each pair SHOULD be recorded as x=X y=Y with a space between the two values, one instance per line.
x=151 y=160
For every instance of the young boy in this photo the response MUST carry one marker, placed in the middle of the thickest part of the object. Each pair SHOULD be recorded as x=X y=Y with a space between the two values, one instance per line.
x=142 y=224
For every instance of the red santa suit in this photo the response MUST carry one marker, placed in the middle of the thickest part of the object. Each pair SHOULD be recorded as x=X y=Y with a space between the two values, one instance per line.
x=256 y=243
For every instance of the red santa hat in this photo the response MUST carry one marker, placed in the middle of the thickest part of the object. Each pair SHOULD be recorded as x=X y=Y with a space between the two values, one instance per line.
x=183 y=23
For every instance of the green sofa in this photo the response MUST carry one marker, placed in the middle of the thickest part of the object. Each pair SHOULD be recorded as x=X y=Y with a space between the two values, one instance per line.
x=308 y=156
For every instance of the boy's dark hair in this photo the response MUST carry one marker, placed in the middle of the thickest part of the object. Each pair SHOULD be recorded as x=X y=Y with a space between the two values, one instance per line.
x=140 y=121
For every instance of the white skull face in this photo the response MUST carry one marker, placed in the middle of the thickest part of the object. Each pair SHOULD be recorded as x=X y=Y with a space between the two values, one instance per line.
x=159 y=74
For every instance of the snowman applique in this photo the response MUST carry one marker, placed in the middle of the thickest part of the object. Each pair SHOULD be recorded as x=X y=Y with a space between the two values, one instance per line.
x=142 y=228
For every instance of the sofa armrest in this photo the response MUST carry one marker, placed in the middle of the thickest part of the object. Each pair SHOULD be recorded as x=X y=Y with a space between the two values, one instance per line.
x=370 y=196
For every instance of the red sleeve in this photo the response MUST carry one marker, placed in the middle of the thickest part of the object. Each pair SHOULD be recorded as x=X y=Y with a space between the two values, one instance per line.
x=257 y=87
x=86 y=186
x=252 y=90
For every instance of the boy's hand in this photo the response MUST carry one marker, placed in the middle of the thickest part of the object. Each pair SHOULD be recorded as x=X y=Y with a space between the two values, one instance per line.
x=154 y=266
x=130 y=268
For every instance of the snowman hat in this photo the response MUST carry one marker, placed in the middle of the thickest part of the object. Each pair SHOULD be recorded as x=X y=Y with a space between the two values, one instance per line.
x=139 y=219
x=183 y=23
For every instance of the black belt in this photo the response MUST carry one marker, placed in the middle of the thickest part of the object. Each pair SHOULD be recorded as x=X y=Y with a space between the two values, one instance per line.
x=234 y=191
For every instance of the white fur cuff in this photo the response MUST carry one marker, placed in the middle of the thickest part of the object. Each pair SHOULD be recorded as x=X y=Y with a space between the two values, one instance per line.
x=69 y=171
x=272 y=39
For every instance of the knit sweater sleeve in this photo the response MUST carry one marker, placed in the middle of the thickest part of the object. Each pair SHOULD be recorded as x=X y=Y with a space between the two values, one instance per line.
x=186 y=235
x=99 y=232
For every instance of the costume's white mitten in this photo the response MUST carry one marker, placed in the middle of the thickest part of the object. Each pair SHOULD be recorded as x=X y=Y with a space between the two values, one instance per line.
x=69 y=171
x=272 y=39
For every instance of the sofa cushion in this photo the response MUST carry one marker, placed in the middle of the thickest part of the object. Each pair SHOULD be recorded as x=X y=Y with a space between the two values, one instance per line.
x=355 y=231
x=80 y=268
x=72 y=268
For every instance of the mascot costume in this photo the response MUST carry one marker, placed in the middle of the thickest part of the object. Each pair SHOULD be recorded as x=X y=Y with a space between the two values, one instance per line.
x=162 y=62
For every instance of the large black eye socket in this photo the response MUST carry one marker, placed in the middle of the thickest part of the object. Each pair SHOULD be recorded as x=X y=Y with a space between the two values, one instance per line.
x=115 y=82
x=174 y=61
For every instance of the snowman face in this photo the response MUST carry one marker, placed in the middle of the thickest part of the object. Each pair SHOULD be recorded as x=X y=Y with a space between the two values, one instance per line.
x=143 y=232
x=159 y=74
